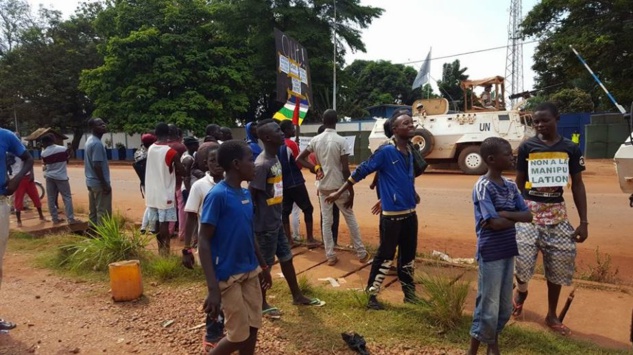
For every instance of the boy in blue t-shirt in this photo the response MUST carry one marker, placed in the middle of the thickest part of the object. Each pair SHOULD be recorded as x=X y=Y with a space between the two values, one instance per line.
x=229 y=254
x=498 y=206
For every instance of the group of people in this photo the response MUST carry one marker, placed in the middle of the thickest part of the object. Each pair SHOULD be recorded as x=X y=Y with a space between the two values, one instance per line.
x=54 y=165
x=240 y=230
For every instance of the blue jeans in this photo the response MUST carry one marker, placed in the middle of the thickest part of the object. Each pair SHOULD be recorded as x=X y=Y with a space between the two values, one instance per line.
x=493 y=306
x=274 y=243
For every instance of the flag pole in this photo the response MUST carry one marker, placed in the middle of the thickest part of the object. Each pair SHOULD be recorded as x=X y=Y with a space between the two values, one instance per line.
x=334 y=60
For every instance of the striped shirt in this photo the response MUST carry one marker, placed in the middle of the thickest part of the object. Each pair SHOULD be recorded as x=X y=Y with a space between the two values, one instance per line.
x=490 y=198
x=56 y=158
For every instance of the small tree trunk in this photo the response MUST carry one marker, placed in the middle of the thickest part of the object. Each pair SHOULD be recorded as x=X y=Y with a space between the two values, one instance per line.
x=77 y=134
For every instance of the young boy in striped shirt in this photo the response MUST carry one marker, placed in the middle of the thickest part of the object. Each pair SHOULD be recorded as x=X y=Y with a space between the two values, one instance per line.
x=498 y=206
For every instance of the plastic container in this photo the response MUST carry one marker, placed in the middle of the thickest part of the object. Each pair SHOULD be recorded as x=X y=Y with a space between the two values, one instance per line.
x=125 y=280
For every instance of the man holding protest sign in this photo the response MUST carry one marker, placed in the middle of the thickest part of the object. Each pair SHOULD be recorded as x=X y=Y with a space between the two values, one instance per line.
x=545 y=164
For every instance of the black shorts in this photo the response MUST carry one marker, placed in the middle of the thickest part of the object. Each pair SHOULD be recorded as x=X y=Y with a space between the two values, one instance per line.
x=299 y=195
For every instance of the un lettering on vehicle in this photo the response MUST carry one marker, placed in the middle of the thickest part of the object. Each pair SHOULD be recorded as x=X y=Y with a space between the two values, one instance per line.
x=484 y=127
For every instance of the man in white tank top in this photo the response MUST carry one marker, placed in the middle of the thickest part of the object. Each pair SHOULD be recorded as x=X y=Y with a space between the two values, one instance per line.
x=162 y=167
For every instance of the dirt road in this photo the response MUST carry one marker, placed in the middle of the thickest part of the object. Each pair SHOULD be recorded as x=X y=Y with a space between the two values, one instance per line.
x=445 y=214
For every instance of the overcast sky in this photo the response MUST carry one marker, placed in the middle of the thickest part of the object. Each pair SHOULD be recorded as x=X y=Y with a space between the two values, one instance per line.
x=409 y=28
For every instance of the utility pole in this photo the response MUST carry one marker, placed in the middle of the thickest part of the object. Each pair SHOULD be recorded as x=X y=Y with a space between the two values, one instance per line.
x=334 y=60
x=514 y=56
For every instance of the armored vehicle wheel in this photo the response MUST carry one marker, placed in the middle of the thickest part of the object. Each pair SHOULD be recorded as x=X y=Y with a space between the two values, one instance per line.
x=423 y=139
x=471 y=162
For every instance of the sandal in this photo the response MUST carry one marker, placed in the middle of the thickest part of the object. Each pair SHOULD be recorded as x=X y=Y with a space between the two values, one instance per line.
x=207 y=346
x=560 y=328
x=272 y=313
x=6 y=325
x=517 y=303
x=313 y=302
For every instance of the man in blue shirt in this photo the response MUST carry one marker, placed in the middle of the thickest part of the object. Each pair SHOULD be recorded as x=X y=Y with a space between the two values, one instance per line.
x=9 y=143
x=398 y=221
x=97 y=173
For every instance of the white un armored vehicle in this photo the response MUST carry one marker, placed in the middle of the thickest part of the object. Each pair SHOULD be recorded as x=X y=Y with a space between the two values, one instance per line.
x=624 y=160
x=446 y=137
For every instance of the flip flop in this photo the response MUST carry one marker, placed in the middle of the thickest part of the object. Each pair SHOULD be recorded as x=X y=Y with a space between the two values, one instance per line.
x=272 y=313
x=560 y=328
x=313 y=302
x=517 y=303
x=6 y=325
x=207 y=346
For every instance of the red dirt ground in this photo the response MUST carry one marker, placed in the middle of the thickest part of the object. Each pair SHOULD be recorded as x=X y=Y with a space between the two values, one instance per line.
x=445 y=214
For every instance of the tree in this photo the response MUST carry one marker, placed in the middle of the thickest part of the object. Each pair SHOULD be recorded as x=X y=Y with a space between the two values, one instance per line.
x=572 y=100
x=369 y=83
x=167 y=61
x=15 y=18
x=307 y=21
x=39 y=78
x=601 y=30
x=452 y=76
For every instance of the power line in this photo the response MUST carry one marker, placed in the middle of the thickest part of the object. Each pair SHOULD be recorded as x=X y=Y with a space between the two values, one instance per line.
x=465 y=53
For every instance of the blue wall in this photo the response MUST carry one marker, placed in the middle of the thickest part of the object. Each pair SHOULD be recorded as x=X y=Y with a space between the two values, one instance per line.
x=571 y=122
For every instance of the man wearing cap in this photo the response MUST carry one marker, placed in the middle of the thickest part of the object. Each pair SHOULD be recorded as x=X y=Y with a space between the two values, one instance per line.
x=420 y=111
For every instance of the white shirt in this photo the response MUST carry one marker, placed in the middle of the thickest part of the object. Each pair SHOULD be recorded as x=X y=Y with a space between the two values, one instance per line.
x=160 y=177
x=198 y=192
x=329 y=147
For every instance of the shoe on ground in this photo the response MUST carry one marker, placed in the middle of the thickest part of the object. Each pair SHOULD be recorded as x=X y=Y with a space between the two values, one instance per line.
x=332 y=261
x=6 y=325
x=412 y=299
x=59 y=221
x=75 y=221
x=365 y=259
x=373 y=304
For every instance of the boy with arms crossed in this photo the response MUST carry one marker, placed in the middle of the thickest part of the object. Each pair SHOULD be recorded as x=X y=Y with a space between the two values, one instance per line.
x=498 y=206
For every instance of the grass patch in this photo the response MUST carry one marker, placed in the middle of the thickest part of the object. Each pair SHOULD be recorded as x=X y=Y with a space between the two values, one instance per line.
x=111 y=244
x=444 y=299
x=80 y=209
x=170 y=269
x=602 y=271
x=399 y=329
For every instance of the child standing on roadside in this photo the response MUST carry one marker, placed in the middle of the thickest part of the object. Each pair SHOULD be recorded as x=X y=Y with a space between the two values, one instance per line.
x=498 y=206
x=229 y=254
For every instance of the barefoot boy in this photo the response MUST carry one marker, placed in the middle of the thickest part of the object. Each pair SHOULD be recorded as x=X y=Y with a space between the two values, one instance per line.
x=229 y=254
x=267 y=190
x=498 y=206
x=545 y=164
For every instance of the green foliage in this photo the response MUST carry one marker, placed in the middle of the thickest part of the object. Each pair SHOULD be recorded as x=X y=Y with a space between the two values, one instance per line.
x=170 y=269
x=110 y=244
x=307 y=21
x=452 y=75
x=370 y=83
x=169 y=62
x=572 y=100
x=39 y=77
x=601 y=31
x=445 y=299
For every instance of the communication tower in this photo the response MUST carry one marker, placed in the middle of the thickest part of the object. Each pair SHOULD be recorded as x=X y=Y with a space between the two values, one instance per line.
x=514 y=56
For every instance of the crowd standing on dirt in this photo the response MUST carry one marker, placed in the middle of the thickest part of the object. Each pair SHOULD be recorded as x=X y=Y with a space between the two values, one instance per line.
x=238 y=232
